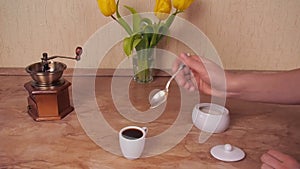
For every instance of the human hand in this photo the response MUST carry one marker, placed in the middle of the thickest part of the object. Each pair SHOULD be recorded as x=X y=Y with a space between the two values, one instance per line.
x=276 y=160
x=184 y=78
x=201 y=74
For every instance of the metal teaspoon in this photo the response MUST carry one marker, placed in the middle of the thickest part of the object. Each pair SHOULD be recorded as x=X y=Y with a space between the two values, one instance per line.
x=161 y=96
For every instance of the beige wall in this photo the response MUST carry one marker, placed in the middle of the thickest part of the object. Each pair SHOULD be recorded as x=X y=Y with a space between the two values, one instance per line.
x=248 y=34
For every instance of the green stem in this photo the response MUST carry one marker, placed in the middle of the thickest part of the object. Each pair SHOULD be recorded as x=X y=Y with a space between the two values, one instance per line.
x=123 y=23
x=144 y=65
x=155 y=34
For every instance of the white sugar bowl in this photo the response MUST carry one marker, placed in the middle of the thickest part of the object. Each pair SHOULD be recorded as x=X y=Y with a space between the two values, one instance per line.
x=210 y=117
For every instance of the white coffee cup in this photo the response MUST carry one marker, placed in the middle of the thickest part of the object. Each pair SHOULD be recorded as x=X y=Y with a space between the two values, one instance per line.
x=132 y=141
x=210 y=117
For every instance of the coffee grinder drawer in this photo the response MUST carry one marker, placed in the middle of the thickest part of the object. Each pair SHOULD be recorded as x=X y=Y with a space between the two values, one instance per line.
x=32 y=108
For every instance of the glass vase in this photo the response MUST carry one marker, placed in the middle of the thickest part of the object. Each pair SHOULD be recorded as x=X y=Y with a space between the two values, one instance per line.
x=143 y=62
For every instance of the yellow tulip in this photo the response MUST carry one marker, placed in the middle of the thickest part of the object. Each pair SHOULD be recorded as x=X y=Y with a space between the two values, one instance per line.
x=181 y=5
x=162 y=9
x=107 y=7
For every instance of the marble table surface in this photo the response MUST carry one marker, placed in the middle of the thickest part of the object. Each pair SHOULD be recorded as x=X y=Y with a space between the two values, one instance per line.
x=66 y=143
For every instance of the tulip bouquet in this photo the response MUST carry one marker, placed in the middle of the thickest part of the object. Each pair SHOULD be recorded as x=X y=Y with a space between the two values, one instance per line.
x=144 y=34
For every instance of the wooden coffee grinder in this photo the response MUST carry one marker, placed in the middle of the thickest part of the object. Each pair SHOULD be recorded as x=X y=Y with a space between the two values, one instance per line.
x=48 y=92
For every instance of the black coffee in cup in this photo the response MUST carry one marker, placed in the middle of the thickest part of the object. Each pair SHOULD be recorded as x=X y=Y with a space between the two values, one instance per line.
x=132 y=134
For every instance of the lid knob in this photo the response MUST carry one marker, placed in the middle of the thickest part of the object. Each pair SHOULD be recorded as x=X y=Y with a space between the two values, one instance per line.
x=227 y=152
x=228 y=147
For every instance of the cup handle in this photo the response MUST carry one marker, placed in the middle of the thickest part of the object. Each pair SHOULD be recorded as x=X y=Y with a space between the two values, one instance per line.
x=145 y=129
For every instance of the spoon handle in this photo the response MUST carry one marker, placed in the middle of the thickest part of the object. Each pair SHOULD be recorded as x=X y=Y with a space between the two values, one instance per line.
x=173 y=76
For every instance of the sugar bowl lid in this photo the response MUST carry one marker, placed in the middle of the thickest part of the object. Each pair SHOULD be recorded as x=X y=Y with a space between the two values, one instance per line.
x=227 y=153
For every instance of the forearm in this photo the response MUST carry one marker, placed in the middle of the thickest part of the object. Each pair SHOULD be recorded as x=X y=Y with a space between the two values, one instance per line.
x=279 y=87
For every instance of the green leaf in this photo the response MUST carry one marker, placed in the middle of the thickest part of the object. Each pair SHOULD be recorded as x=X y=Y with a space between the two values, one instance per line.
x=154 y=41
x=136 y=42
x=164 y=28
x=136 y=18
x=170 y=20
x=147 y=21
x=144 y=23
x=127 y=45
x=144 y=44
x=148 y=29
x=148 y=33
x=122 y=22
x=162 y=31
